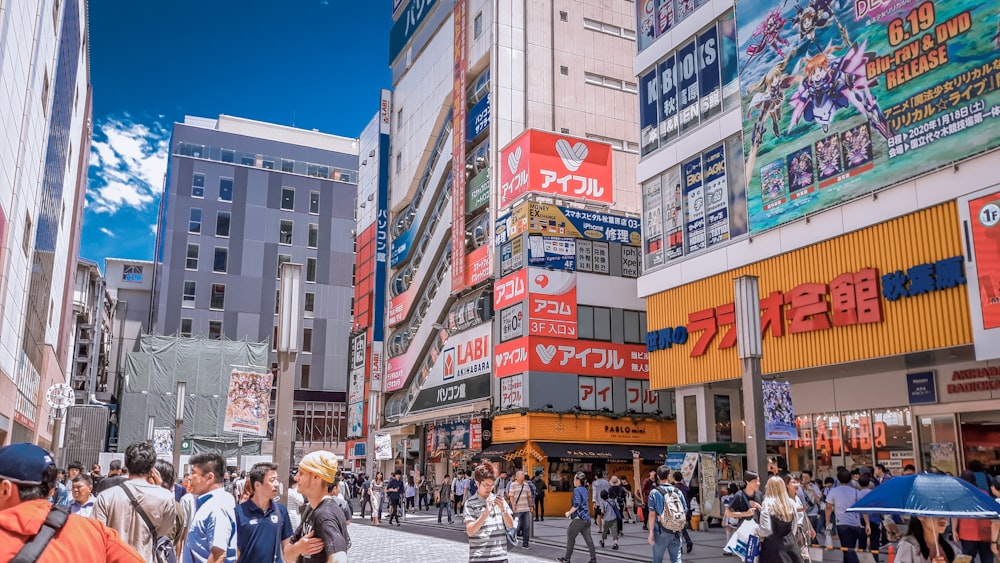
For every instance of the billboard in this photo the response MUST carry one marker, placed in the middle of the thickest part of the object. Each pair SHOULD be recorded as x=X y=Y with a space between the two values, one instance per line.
x=510 y=289
x=406 y=24
x=512 y=322
x=382 y=220
x=399 y=306
x=458 y=259
x=356 y=420
x=477 y=193
x=843 y=99
x=580 y=357
x=477 y=264
x=479 y=118
x=512 y=392
x=248 y=401
x=551 y=220
x=552 y=252
x=980 y=213
x=779 y=416
x=356 y=373
x=557 y=165
x=552 y=303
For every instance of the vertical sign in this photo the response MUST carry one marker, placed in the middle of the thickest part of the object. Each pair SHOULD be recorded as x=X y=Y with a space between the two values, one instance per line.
x=687 y=94
x=709 y=78
x=512 y=392
x=980 y=216
x=668 y=99
x=652 y=226
x=673 y=217
x=716 y=196
x=694 y=212
x=584 y=256
x=779 y=416
x=458 y=154
x=649 y=111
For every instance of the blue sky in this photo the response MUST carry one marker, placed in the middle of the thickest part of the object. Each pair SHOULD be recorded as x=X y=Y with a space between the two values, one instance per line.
x=313 y=64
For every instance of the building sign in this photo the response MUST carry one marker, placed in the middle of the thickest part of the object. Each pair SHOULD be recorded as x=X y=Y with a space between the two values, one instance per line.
x=510 y=289
x=479 y=118
x=512 y=392
x=630 y=262
x=556 y=165
x=356 y=388
x=512 y=256
x=551 y=220
x=980 y=213
x=382 y=220
x=570 y=356
x=512 y=323
x=552 y=252
x=594 y=393
x=407 y=23
x=356 y=420
x=459 y=276
x=399 y=306
x=974 y=380
x=403 y=243
x=472 y=389
x=477 y=265
x=552 y=303
x=377 y=359
x=585 y=256
x=640 y=398
x=478 y=192
x=923 y=86
x=921 y=388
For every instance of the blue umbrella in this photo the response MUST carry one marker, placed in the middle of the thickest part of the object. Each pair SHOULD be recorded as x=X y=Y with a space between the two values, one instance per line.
x=929 y=494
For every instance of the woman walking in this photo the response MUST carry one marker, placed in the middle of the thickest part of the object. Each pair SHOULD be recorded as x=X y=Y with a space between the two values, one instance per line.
x=411 y=493
x=378 y=492
x=924 y=542
x=487 y=519
x=805 y=534
x=778 y=525
x=579 y=515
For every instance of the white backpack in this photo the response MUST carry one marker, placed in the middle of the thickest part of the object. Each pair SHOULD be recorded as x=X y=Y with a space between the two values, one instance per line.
x=674 y=515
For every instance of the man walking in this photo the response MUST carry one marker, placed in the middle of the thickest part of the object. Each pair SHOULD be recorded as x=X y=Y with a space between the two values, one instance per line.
x=83 y=501
x=664 y=541
x=677 y=480
x=129 y=506
x=322 y=537
x=261 y=522
x=95 y=474
x=211 y=535
x=113 y=479
x=811 y=498
x=849 y=528
x=458 y=491
x=394 y=490
x=601 y=484
x=503 y=482
x=444 y=498
x=27 y=478
x=521 y=497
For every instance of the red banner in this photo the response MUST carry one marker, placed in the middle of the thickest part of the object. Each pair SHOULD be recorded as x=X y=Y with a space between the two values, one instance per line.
x=582 y=357
x=458 y=274
x=510 y=290
x=399 y=306
x=477 y=266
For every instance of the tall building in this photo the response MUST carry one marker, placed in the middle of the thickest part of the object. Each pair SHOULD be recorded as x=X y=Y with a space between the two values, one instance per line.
x=867 y=215
x=241 y=198
x=499 y=108
x=46 y=112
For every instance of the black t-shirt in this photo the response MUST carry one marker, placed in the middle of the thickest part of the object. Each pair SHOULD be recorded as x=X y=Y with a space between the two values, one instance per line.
x=741 y=503
x=326 y=522
x=394 y=484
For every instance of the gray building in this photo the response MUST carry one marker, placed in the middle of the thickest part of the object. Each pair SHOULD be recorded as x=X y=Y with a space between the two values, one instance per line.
x=241 y=197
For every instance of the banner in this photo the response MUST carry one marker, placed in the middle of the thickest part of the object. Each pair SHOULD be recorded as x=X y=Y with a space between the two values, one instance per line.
x=510 y=289
x=249 y=399
x=356 y=420
x=383 y=447
x=399 y=306
x=580 y=357
x=557 y=165
x=843 y=99
x=477 y=265
x=552 y=220
x=779 y=416
x=552 y=303
x=459 y=276
x=477 y=193
x=981 y=213
x=356 y=374
x=163 y=441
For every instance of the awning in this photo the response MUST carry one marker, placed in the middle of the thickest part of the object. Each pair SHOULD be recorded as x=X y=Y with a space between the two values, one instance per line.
x=651 y=454
x=499 y=450
x=614 y=453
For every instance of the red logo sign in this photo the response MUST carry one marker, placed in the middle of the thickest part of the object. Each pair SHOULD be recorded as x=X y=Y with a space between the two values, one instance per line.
x=399 y=306
x=477 y=266
x=571 y=356
x=552 y=303
x=557 y=165
x=510 y=290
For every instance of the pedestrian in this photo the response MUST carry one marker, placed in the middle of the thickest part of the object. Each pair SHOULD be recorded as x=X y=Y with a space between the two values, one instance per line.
x=974 y=535
x=378 y=497
x=188 y=504
x=813 y=498
x=444 y=498
x=263 y=527
x=925 y=542
x=599 y=485
x=778 y=525
x=212 y=533
x=27 y=479
x=394 y=491
x=503 y=481
x=612 y=519
x=458 y=491
x=113 y=479
x=729 y=523
x=62 y=496
x=664 y=498
x=296 y=502
x=487 y=518
x=165 y=479
x=872 y=539
x=579 y=515
x=138 y=508
x=881 y=473
x=647 y=487
x=423 y=493
x=366 y=495
x=849 y=524
x=322 y=537
x=805 y=532
x=995 y=526
x=83 y=501
x=95 y=473
x=521 y=498
x=677 y=480
x=745 y=504
x=540 y=488
x=411 y=493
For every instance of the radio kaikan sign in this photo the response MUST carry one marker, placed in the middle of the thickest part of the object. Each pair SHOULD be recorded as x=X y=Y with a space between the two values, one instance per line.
x=851 y=298
x=844 y=98
x=556 y=165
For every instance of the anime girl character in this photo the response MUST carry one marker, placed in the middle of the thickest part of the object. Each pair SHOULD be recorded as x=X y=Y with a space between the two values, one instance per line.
x=768 y=101
x=829 y=83
x=857 y=146
x=769 y=35
x=816 y=14
x=801 y=169
x=828 y=156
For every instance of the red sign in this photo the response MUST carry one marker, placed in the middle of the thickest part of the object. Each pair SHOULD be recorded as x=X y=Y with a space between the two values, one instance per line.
x=510 y=290
x=458 y=273
x=477 y=266
x=554 y=164
x=975 y=380
x=396 y=370
x=399 y=306
x=984 y=214
x=579 y=357
x=475 y=435
x=552 y=303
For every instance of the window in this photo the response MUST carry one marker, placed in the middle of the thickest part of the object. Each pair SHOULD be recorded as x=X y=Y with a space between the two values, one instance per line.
x=189 y=291
x=218 y=296
x=282 y=258
x=45 y=94
x=585 y=322
x=192 y=257
x=220 y=264
x=563 y=17
x=198 y=185
x=215 y=330
x=310 y=304
x=285 y=232
x=564 y=70
x=311 y=270
x=277 y=301
x=313 y=235
x=595 y=393
x=307 y=340
x=186 y=327
x=26 y=239
x=632 y=334
x=288 y=199
x=274 y=340
x=267 y=163
x=287 y=165
x=194 y=221
x=132 y=273
x=399 y=118
x=228 y=155
x=477 y=26
x=314 y=203
x=399 y=162
x=306 y=372
x=225 y=189
x=602 y=324
x=222 y=221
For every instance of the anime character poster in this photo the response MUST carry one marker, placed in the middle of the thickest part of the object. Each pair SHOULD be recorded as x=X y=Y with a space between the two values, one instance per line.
x=248 y=402
x=779 y=416
x=876 y=92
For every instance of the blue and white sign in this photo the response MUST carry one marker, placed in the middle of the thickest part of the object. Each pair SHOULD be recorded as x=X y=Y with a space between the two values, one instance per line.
x=401 y=245
x=921 y=388
x=779 y=416
x=555 y=252
x=478 y=118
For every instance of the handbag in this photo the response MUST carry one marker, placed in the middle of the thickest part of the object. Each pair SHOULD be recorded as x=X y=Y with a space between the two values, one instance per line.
x=815 y=553
x=740 y=543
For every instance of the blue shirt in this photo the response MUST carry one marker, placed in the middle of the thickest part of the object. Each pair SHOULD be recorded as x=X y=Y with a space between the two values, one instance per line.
x=843 y=497
x=214 y=525
x=394 y=484
x=656 y=500
x=581 y=508
x=257 y=532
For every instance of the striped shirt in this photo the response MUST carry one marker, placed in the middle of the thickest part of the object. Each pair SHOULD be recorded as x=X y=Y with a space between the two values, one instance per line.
x=520 y=496
x=490 y=543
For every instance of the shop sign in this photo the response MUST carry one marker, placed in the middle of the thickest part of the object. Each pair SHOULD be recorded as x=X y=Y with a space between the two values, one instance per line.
x=477 y=267
x=356 y=391
x=623 y=431
x=467 y=354
x=502 y=229
x=640 y=398
x=511 y=323
x=512 y=256
x=479 y=118
x=630 y=262
x=974 y=380
x=460 y=277
x=453 y=393
x=408 y=22
x=594 y=393
x=510 y=289
x=552 y=220
x=552 y=252
x=402 y=244
x=571 y=356
x=552 y=303
x=602 y=263
x=376 y=375
x=512 y=392
x=585 y=256
x=557 y=165
x=852 y=298
x=399 y=306
x=478 y=192
x=921 y=387
x=980 y=213
x=475 y=435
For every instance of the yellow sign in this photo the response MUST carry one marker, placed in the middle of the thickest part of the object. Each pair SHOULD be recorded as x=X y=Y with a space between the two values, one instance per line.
x=550 y=220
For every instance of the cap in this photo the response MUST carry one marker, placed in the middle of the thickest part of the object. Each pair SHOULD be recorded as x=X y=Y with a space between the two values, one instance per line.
x=322 y=463
x=24 y=463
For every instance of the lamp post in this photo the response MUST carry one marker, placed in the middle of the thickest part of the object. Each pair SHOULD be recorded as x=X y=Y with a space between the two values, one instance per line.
x=289 y=329
x=179 y=425
x=750 y=349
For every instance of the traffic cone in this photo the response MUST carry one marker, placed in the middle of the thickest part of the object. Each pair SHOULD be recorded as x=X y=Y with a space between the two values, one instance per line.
x=892 y=553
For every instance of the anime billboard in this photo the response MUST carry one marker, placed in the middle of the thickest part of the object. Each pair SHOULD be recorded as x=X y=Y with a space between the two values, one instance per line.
x=844 y=97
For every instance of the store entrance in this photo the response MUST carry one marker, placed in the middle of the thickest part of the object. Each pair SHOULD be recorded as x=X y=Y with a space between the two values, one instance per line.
x=981 y=439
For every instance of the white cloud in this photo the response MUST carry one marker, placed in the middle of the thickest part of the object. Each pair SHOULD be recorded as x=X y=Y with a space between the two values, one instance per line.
x=107 y=231
x=128 y=161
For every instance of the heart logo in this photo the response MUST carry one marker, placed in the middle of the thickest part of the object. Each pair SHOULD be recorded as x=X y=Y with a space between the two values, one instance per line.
x=572 y=155
x=546 y=353
x=514 y=160
x=541 y=280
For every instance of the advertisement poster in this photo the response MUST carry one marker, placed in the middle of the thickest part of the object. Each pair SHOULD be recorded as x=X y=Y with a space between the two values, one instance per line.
x=709 y=482
x=554 y=252
x=451 y=436
x=249 y=399
x=551 y=220
x=673 y=220
x=355 y=420
x=779 y=416
x=985 y=225
x=842 y=99
x=694 y=211
x=652 y=226
x=163 y=441
x=585 y=255
x=552 y=301
x=512 y=392
x=553 y=164
x=383 y=447
x=943 y=457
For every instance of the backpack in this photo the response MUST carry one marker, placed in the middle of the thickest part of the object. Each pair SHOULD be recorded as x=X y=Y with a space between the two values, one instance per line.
x=674 y=515
x=163 y=548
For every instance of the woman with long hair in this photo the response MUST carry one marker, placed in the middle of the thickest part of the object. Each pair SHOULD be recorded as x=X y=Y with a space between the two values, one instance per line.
x=729 y=523
x=377 y=491
x=805 y=534
x=778 y=525
x=487 y=518
x=924 y=542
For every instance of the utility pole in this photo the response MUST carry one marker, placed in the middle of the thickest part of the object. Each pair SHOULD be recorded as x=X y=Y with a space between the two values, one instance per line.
x=750 y=348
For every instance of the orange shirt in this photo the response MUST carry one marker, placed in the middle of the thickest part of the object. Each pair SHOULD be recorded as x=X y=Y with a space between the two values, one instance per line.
x=974 y=529
x=81 y=540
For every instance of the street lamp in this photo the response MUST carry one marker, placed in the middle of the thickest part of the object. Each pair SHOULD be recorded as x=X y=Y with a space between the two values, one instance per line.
x=179 y=424
x=289 y=329
x=750 y=349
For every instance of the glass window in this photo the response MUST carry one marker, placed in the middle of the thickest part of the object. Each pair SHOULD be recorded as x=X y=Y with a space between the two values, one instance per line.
x=186 y=324
x=690 y=419
x=632 y=334
x=477 y=26
x=189 y=293
x=723 y=418
x=306 y=371
x=222 y=220
x=894 y=439
x=218 y=296
x=585 y=322
x=220 y=264
x=285 y=232
x=194 y=222
x=314 y=203
x=287 y=165
x=282 y=258
x=310 y=303
x=310 y=269
x=198 y=185
x=215 y=330
x=228 y=155
x=307 y=340
x=313 y=235
x=602 y=323
x=247 y=159
x=192 y=257
x=267 y=163
x=939 y=443
x=225 y=189
x=288 y=199
x=132 y=273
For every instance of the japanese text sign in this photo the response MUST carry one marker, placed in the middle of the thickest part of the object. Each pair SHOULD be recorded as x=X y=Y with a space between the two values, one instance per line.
x=580 y=357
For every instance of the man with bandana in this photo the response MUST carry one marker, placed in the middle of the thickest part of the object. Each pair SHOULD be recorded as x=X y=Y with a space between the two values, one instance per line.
x=322 y=536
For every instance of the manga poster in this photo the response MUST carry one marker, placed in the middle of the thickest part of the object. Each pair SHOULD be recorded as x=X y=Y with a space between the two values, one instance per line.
x=844 y=97
x=779 y=416
x=248 y=401
x=163 y=441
